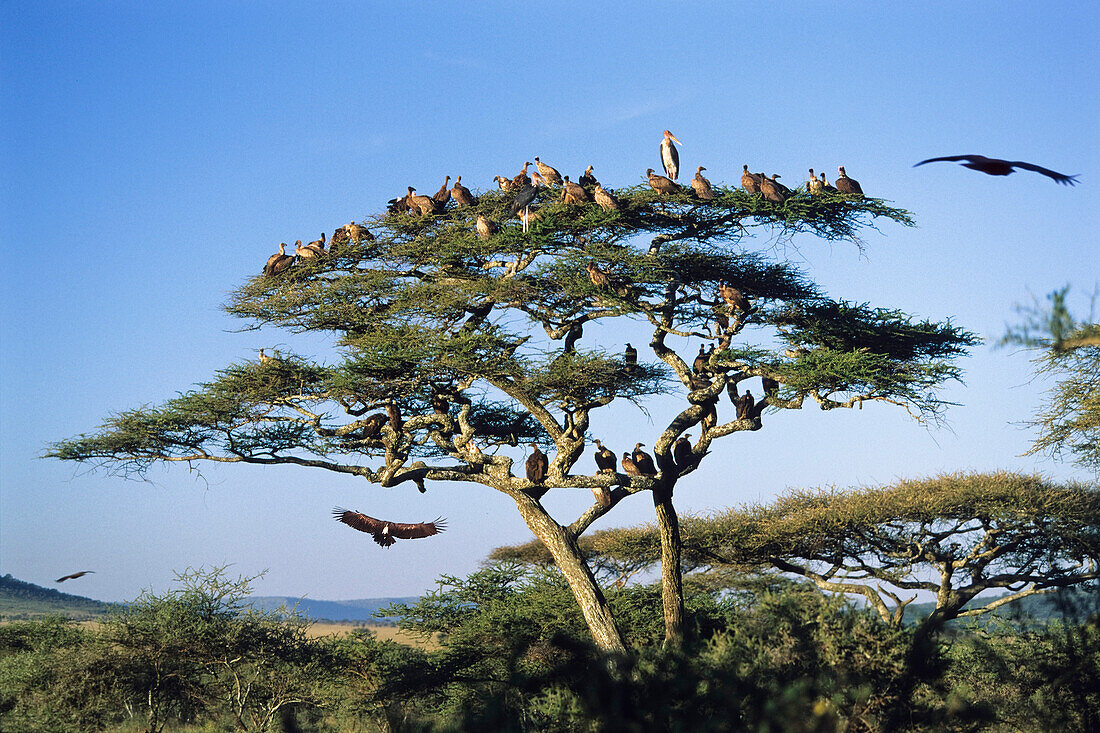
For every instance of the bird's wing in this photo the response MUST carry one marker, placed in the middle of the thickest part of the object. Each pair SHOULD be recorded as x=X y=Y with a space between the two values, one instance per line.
x=971 y=158
x=1059 y=177
x=416 y=531
x=358 y=521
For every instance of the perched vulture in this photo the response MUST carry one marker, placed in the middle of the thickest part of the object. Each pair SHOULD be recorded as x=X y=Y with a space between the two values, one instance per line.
x=670 y=158
x=721 y=322
x=394 y=413
x=356 y=233
x=598 y=277
x=485 y=228
x=681 y=451
x=629 y=467
x=398 y=205
x=844 y=184
x=606 y=201
x=504 y=183
x=750 y=181
x=521 y=179
x=587 y=179
x=745 y=404
x=372 y=426
x=318 y=244
x=643 y=460
x=309 y=252
x=603 y=495
x=815 y=186
x=574 y=193
x=773 y=190
x=424 y=204
x=462 y=195
x=443 y=195
x=264 y=358
x=700 y=364
x=537 y=465
x=82 y=573
x=605 y=459
x=386 y=533
x=526 y=217
x=998 y=167
x=439 y=404
x=701 y=186
x=663 y=186
x=549 y=174
x=276 y=263
x=734 y=297
x=826 y=186
x=630 y=358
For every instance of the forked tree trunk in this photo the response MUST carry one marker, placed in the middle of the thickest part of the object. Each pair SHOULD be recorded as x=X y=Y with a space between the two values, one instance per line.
x=567 y=555
x=672 y=585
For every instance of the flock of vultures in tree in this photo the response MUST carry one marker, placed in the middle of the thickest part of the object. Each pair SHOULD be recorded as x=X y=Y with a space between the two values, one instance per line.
x=587 y=190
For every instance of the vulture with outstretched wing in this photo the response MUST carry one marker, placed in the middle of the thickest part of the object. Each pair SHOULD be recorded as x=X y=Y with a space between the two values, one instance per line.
x=74 y=575
x=386 y=533
x=998 y=167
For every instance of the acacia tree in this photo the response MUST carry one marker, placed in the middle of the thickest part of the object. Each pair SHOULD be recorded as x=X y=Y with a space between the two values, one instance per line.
x=453 y=348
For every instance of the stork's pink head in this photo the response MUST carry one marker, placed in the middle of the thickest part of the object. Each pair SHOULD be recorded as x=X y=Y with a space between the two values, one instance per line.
x=670 y=135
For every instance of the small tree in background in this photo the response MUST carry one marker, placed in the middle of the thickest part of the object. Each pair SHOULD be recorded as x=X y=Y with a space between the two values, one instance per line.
x=454 y=348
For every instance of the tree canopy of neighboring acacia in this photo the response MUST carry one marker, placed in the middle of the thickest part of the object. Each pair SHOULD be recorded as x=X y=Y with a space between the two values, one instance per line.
x=452 y=349
x=952 y=537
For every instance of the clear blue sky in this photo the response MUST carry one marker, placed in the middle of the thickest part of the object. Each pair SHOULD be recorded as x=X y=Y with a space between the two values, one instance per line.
x=155 y=154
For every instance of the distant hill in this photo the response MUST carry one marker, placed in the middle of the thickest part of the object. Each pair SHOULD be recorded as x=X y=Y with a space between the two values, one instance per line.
x=21 y=600
x=361 y=609
x=1077 y=602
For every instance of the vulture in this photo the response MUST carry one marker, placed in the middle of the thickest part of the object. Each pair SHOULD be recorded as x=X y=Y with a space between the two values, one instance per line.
x=598 y=277
x=574 y=193
x=643 y=460
x=462 y=195
x=423 y=204
x=526 y=217
x=721 y=322
x=605 y=459
x=745 y=404
x=630 y=358
x=318 y=244
x=549 y=174
x=629 y=467
x=606 y=201
x=773 y=190
x=398 y=205
x=309 y=252
x=826 y=186
x=681 y=451
x=522 y=179
x=537 y=465
x=443 y=195
x=602 y=494
x=82 y=573
x=701 y=186
x=339 y=237
x=844 y=184
x=394 y=413
x=998 y=167
x=276 y=263
x=670 y=158
x=439 y=404
x=701 y=360
x=372 y=426
x=587 y=179
x=815 y=186
x=485 y=228
x=734 y=297
x=504 y=183
x=750 y=181
x=357 y=233
x=663 y=186
x=386 y=533
x=264 y=358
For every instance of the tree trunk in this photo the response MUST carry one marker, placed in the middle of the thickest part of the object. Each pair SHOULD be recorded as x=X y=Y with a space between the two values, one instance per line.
x=672 y=583
x=567 y=556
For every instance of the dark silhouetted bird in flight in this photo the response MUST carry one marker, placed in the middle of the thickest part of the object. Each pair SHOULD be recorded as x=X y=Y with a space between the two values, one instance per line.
x=998 y=167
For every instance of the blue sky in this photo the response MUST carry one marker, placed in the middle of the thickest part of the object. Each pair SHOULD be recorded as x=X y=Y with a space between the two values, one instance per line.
x=154 y=155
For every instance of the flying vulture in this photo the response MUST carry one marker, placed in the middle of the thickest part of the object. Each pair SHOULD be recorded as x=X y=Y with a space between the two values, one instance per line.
x=670 y=158
x=643 y=461
x=663 y=186
x=844 y=184
x=74 y=575
x=386 y=533
x=549 y=173
x=537 y=465
x=605 y=459
x=998 y=167
x=701 y=186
